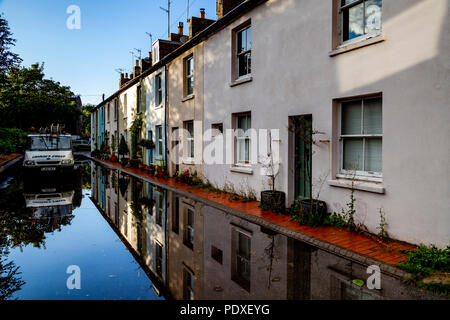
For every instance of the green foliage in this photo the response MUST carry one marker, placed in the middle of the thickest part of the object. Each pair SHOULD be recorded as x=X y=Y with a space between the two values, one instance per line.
x=440 y=288
x=423 y=261
x=336 y=220
x=86 y=121
x=27 y=99
x=8 y=59
x=382 y=227
x=135 y=130
x=146 y=143
x=12 y=140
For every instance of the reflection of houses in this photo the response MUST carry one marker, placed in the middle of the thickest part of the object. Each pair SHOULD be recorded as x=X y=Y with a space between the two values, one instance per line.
x=243 y=260
x=137 y=210
x=185 y=257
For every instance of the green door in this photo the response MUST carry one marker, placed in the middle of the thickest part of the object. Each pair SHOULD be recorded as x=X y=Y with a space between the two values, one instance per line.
x=302 y=127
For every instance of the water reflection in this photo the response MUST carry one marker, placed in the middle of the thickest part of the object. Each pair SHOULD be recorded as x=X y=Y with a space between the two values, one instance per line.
x=192 y=250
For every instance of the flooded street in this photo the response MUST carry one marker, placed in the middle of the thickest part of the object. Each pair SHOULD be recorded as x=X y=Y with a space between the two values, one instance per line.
x=125 y=238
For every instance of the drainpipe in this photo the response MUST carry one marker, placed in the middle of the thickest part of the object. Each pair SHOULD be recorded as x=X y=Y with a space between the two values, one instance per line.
x=166 y=120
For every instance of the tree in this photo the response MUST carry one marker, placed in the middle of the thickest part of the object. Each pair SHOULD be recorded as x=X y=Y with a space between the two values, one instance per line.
x=123 y=147
x=7 y=58
x=86 y=121
x=27 y=99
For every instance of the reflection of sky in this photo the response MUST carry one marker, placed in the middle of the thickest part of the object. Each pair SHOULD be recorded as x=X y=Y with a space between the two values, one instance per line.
x=108 y=270
x=373 y=18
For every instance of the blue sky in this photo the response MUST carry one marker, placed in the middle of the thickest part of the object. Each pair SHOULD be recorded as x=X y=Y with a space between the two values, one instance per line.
x=86 y=59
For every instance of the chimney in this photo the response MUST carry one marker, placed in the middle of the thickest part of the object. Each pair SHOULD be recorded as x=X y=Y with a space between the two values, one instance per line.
x=180 y=28
x=196 y=25
x=225 y=6
x=131 y=76
x=136 y=69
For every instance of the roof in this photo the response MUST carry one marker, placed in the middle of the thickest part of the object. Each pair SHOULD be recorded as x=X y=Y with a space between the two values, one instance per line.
x=221 y=23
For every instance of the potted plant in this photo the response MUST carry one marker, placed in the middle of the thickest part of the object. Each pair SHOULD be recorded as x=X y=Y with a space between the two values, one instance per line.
x=146 y=143
x=123 y=149
x=273 y=199
x=151 y=168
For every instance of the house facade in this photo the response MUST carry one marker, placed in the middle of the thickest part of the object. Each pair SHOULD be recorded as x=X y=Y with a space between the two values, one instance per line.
x=336 y=101
x=373 y=109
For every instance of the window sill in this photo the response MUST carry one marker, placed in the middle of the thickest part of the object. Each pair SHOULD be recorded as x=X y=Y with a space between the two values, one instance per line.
x=356 y=45
x=368 y=186
x=189 y=97
x=188 y=161
x=159 y=106
x=241 y=80
x=242 y=169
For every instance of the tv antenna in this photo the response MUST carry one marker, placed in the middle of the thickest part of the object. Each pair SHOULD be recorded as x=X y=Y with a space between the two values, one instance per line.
x=120 y=70
x=132 y=57
x=139 y=51
x=168 y=17
x=151 y=40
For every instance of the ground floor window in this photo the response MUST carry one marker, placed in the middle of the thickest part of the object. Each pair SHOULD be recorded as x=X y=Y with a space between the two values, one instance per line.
x=361 y=136
x=243 y=144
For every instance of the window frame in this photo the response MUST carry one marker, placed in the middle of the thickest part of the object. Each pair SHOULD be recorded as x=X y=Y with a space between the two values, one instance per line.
x=188 y=286
x=158 y=90
x=189 y=230
x=238 y=54
x=242 y=139
x=365 y=36
x=358 y=174
x=138 y=99
x=159 y=141
x=189 y=141
x=158 y=258
x=187 y=76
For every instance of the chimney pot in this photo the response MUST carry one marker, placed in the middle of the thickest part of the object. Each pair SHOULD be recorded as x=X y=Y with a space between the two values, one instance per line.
x=202 y=13
x=180 y=28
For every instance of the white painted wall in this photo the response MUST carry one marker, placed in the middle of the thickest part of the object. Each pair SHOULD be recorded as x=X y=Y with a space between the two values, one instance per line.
x=293 y=74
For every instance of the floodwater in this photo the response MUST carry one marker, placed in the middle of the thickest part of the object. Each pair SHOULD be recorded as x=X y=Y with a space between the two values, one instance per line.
x=101 y=234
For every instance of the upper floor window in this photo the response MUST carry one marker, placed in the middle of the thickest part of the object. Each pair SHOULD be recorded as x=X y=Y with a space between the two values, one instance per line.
x=125 y=105
x=244 y=51
x=189 y=73
x=116 y=108
x=359 y=18
x=138 y=99
x=158 y=90
x=361 y=136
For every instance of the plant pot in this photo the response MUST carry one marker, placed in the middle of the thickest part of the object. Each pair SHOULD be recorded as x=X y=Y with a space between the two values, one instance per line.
x=273 y=200
x=134 y=163
x=313 y=212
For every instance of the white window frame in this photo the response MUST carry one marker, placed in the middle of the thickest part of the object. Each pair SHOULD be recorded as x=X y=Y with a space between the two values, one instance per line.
x=159 y=140
x=189 y=76
x=241 y=139
x=158 y=91
x=361 y=37
x=358 y=174
x=189 y=229
x=189 y=141
x=125 y=102
x=238 y=54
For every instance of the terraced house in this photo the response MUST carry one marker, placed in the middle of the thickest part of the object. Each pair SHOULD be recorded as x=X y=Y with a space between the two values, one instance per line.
x=350 y=103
